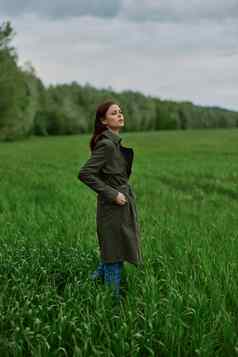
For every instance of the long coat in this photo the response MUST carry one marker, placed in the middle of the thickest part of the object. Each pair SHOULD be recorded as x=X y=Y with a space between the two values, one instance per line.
x=107 y=172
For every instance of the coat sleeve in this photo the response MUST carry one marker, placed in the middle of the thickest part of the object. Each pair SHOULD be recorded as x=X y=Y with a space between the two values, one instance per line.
x=88 y=173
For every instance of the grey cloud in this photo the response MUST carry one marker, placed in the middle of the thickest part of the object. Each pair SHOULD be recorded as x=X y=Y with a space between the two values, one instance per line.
x=179 y=10
x=61 y=8
x=132 y=10
x=13 y=7
x=180 y=61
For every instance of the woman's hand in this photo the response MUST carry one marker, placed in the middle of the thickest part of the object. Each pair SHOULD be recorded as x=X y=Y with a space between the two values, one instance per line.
x=121 y=199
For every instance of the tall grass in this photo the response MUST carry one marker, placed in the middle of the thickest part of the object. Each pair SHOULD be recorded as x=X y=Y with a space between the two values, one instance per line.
x=182 y=302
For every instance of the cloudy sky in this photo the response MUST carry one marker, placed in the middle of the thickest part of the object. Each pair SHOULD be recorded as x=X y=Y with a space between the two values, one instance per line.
x=172 y=49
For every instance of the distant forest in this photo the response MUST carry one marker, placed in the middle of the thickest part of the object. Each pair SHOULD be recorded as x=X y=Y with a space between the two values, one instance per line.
x=27 y=107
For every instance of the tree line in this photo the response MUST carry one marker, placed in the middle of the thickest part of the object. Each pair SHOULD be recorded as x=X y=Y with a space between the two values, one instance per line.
x=28 y=107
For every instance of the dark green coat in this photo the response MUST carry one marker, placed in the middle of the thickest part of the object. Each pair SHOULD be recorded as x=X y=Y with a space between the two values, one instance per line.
x=107 y=172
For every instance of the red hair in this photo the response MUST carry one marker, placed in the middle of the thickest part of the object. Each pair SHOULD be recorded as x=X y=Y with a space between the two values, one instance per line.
x=99 y=127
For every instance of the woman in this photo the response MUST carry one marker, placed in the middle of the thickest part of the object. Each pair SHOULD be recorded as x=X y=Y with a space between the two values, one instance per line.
x=107 y=172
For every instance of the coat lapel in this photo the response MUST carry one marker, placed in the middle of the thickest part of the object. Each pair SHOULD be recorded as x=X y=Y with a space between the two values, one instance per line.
x=127 y=153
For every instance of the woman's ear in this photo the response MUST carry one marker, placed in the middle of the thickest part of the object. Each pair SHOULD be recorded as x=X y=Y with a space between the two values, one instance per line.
x=104 y=121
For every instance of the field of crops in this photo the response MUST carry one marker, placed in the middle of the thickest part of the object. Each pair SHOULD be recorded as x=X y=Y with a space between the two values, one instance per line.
x=182 y=302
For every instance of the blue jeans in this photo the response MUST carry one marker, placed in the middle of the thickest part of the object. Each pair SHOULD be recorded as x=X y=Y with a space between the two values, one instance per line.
x=111 y=273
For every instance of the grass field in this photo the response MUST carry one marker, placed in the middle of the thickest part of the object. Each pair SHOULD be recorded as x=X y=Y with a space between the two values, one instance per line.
x=183 y=302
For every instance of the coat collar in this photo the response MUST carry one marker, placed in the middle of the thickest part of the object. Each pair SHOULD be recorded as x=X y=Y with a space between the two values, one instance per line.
x=111 y=135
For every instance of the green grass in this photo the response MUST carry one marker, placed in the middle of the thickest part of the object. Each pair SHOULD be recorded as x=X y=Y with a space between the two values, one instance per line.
x=183 y=302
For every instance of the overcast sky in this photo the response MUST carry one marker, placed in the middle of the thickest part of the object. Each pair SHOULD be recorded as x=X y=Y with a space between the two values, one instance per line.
x=172 y=49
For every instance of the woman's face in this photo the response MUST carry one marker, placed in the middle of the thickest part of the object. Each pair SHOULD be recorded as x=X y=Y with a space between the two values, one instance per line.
x=114 y=118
